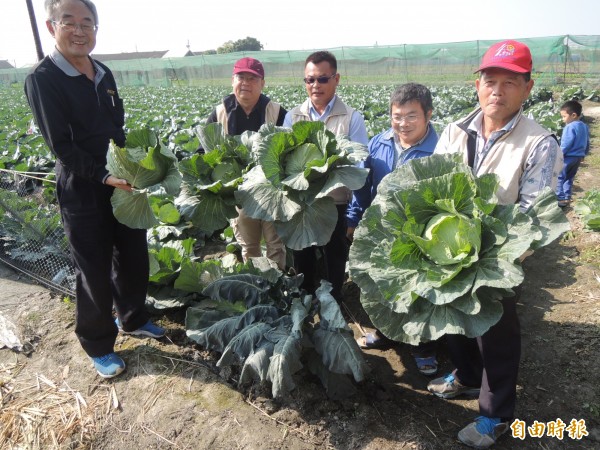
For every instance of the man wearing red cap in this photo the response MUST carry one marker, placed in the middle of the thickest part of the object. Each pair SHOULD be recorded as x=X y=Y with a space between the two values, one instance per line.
x=498 y=138
x=246 y=109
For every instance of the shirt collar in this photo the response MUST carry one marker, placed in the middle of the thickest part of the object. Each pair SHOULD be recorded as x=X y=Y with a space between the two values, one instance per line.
x=391 y=135
x=64 y=65
x=477 y=122
x=314 y=114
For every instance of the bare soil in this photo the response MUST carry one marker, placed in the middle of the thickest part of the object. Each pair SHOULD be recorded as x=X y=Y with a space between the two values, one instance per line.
x=173 y=395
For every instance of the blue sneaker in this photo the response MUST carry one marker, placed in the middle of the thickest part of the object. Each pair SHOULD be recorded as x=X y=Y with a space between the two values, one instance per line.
x=109 y=366
x=482 y=433
x=148 y=329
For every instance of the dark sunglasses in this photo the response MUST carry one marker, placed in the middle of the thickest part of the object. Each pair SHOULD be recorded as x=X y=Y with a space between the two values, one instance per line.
x=320 y=80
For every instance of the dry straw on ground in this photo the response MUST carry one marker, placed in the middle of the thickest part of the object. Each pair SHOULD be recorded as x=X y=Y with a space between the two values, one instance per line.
x=38 y=413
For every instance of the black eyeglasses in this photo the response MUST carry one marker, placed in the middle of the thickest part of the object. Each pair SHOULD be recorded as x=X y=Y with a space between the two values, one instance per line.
x=321 y=80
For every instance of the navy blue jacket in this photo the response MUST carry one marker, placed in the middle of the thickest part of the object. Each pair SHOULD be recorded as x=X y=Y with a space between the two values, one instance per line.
x=76 y=118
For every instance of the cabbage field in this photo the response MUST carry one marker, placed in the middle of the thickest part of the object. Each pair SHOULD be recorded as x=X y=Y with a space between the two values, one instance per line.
x=174 y=112
x=251 y=321
x=190 y=207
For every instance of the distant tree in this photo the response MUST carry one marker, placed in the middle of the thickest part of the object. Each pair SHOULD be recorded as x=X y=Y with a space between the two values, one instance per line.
x=241 y=45
x=207 y=52
x=227 y=47
x=249 y=44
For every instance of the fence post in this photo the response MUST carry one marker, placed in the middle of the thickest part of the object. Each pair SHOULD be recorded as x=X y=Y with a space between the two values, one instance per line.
x=35 y=31
x=566 y=59
x=405 y=64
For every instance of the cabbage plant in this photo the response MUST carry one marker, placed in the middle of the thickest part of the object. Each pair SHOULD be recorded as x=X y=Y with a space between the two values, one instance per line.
x=272 y=329
x=296 y=170
x=435 y=252
x=588 y=210
x=152 y=171
x=211 y=178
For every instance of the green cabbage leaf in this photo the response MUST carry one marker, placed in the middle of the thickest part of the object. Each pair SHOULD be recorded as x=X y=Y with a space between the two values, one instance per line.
x=588 y=209
x=271 y=327
x=152 y=171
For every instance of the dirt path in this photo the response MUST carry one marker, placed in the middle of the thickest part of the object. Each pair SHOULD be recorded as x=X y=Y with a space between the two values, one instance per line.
x=172 y=396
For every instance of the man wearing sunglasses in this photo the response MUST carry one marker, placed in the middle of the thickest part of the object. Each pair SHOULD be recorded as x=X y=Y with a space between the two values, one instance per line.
x=321 y=80
x=76 y=105
x=247 y=109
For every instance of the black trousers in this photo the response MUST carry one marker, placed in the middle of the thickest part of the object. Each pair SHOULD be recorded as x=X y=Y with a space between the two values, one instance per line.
x=491 y=362
x=333 y=265
x=110 y=259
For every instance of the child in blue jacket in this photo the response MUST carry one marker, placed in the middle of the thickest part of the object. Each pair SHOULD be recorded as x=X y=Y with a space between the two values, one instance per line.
x=575 y=144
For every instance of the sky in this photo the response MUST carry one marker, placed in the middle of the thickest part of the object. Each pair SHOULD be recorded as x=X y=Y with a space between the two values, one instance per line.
x=147 y=25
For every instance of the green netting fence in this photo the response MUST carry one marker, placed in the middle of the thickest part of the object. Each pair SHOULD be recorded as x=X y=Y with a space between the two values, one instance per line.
x=557 y=59
x=32 y=239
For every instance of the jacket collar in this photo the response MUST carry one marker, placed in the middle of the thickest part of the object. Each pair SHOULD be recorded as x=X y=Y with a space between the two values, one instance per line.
x=232 y=104
x=472 y=123
x=61 y=62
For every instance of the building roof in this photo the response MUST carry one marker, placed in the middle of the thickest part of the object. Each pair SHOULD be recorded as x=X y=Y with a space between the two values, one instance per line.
x=180 y=53
x=4 y=64
x=127 y=56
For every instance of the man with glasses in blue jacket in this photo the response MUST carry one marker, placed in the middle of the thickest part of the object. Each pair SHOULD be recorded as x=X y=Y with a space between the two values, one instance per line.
x=321 y=80
x=410 y=136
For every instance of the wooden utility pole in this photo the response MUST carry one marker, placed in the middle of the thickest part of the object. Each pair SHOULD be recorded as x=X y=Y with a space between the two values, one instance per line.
x=34 y=29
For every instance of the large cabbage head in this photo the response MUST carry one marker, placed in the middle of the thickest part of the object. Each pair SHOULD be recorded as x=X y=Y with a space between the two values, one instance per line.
x=435 y=252
x=450 y=238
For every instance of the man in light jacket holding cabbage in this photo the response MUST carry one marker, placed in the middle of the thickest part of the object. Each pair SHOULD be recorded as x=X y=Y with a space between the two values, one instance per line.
x=498 y=138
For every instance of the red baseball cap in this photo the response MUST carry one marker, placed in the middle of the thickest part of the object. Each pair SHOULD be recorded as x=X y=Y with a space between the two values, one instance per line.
x=249 y=65
x=510 y=55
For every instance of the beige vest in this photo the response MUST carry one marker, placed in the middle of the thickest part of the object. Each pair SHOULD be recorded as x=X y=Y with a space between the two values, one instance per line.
x=271 y=114
x=338 y=122
x=508 y=156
